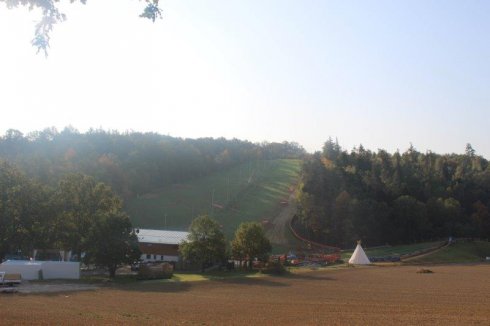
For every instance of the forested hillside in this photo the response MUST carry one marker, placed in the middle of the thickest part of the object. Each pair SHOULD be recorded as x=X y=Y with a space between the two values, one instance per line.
x=344 y=196
x=132 y=163
x=57 y=189
x=396 y=198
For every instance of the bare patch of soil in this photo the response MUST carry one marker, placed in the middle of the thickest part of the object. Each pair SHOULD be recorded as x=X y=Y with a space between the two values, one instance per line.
x=453 y=295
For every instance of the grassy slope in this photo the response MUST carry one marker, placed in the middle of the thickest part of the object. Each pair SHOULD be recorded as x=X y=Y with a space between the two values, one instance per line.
x=251 y=191
x=394 y=250
x=461 y=252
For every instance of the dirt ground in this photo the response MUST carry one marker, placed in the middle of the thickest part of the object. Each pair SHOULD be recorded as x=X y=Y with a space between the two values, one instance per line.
x=452 y=295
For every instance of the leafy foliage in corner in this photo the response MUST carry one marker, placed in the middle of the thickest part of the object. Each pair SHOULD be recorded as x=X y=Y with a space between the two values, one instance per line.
x=152 y=11
x=51 y=16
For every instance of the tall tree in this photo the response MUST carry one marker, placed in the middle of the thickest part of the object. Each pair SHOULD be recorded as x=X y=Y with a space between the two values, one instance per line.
x=112 y=242
x=409 y=219
x=206 y=242
x=81 y=202
x=25 y=217
x=250 y=242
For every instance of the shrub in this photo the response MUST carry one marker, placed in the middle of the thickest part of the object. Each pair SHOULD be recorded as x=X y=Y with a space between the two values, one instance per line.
x=275 y=268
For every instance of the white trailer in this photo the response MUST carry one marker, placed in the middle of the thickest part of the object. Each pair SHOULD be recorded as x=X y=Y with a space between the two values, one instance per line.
x=7 y=282
x=37 y=270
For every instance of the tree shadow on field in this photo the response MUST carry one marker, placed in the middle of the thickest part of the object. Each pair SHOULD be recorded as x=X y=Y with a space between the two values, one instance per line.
x=155 y=286
x=142 y=286
x=51 y=293
x=259 y=281
x=310 y=277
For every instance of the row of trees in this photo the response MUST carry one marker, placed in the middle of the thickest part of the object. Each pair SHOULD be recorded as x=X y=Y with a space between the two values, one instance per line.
x=131 y=163
x=78 y=215
x=395 y=198
x=206 y=244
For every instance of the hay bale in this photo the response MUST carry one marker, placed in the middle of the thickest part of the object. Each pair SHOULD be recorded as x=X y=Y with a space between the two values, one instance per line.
x=273 y=268
x=424 y=271
x=156 y=271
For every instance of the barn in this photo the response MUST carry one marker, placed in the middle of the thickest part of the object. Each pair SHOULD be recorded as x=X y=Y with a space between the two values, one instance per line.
x=160 y=245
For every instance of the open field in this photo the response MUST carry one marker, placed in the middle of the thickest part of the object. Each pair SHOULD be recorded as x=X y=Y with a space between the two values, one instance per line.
x=460 y=252
x=249 y=192
x=452 y=295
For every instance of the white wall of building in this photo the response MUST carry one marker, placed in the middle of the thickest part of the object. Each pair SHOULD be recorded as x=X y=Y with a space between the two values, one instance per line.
x=30 y=270
x=61 y=270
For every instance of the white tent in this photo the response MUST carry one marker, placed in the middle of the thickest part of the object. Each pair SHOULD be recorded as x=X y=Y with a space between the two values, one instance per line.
x=359 y=256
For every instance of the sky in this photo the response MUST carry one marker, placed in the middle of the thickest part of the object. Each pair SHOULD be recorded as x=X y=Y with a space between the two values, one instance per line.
x=383 y=74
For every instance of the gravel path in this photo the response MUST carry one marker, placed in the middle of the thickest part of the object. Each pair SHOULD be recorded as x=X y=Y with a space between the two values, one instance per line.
x=425 y=254
x=277 y=233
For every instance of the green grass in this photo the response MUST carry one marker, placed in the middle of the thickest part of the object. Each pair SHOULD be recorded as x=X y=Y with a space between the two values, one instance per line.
x=193 y=277
x=460 y=252
x=394 y=250
x=248 y=192
x=177 y=277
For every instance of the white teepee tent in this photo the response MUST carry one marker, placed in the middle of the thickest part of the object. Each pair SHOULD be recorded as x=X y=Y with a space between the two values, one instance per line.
x=359 y=256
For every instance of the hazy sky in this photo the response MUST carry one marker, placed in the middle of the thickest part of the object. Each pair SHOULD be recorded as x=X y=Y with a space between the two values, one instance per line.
x=380 y=73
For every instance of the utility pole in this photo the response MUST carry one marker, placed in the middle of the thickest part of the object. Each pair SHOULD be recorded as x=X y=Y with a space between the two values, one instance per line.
x=212 y=203
x=228 y=189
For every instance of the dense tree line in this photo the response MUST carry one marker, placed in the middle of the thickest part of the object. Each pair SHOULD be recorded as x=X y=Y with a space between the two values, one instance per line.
x=393 y=198
x=78 y=215
x=132 y=163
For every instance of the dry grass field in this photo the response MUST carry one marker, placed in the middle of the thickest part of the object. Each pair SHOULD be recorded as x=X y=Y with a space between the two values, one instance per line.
x=452 y=295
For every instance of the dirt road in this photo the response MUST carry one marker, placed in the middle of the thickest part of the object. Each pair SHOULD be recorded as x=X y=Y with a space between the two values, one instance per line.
x=279 y=230
x=414 y=258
